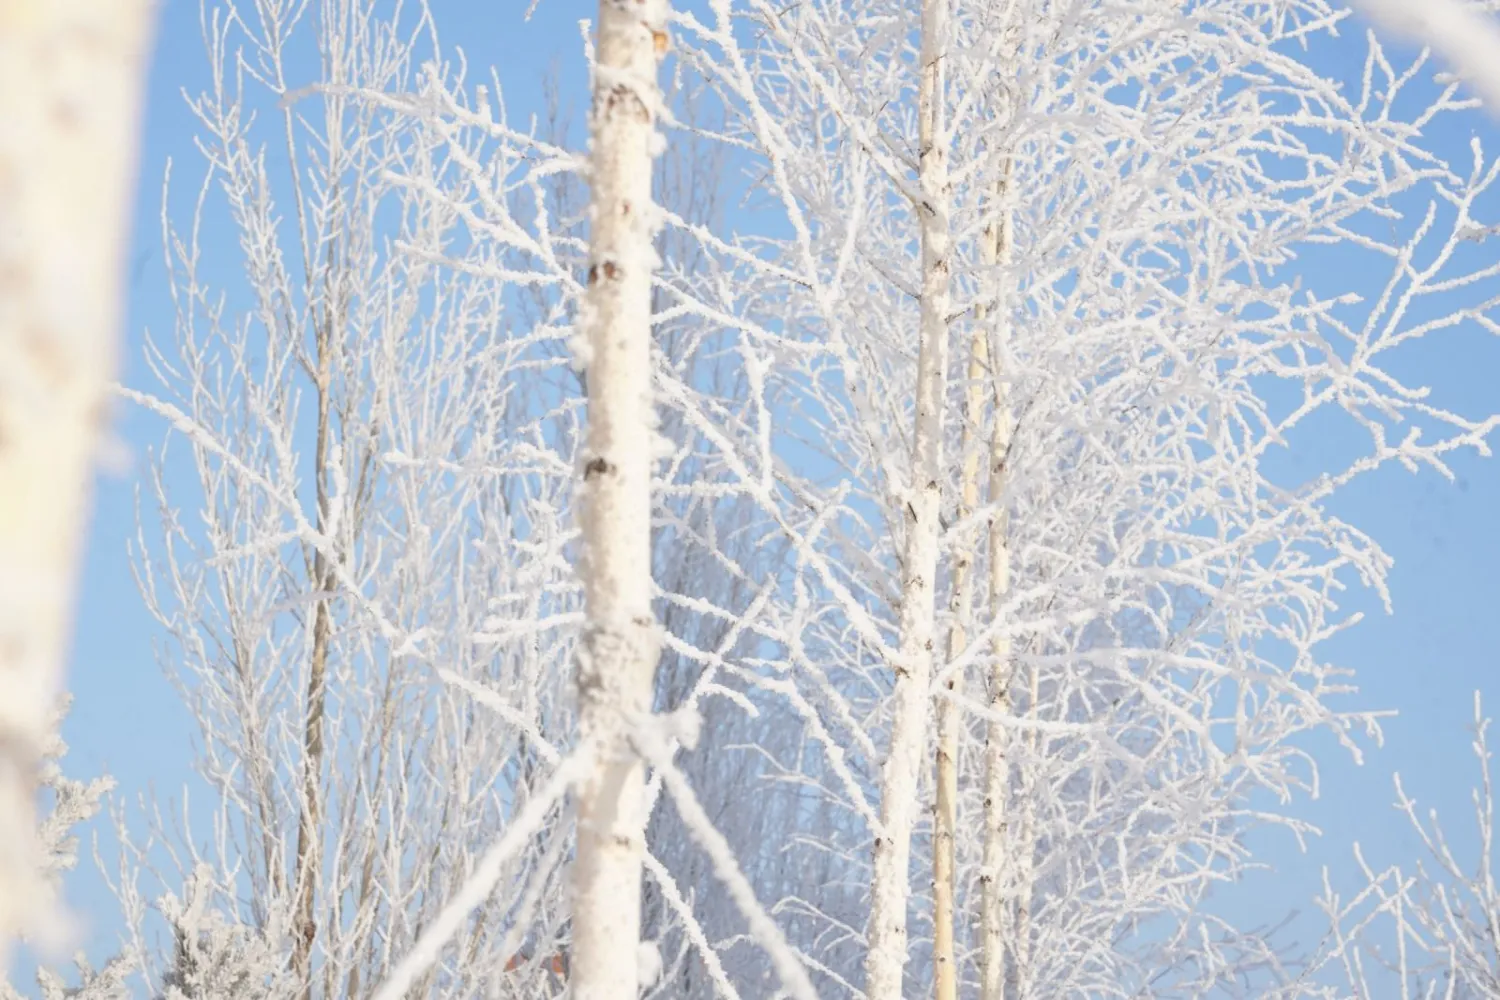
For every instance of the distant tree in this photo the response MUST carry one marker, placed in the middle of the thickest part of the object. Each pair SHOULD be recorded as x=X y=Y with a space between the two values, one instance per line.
x=73 y=803
x=356 y=527
x=1422 y=927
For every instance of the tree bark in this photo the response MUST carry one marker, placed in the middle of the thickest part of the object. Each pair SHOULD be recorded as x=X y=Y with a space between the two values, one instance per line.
x=71 y=74
x=1025 y=850
x=310 y=817
x=993 y=922
x=621 y=644
x=945 y=810
x=886 y=958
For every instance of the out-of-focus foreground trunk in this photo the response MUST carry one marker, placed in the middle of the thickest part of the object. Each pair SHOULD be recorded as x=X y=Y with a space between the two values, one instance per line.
x=71 y=77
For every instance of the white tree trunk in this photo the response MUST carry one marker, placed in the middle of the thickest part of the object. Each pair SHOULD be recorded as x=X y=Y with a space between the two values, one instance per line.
x=621 y=642
x=71 y=74
x=993 y=922
x=913 y=672
x=945 y=818
x=1025 y=849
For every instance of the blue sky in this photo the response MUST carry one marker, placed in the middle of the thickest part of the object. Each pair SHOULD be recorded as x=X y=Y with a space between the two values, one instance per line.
x=1425 y=660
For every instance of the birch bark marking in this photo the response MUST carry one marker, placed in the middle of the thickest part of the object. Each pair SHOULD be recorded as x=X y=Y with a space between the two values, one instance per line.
x=71 y=73
x=996 y=250
x=889 y=890
x=621 y=643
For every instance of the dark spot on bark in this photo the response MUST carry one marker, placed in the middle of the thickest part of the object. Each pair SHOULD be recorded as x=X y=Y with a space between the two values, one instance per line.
x=597 y=467
x=593 y=274
x=66 y=114
x=611 y=270
x=48 y=357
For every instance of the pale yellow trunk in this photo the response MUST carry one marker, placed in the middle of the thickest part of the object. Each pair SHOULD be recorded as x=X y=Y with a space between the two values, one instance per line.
x=71 y=73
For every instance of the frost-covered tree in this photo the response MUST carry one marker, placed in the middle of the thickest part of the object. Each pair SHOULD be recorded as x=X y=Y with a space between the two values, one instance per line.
x=621 y=642
x=357 y=511
x=1423 y=927
x=371 y=607
x=72 y=803
x=1169 y=588
x=923 y=495
x=216 y=958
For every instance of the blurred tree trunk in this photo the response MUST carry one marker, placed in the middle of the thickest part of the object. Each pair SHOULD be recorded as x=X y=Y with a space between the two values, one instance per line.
x=71 y=75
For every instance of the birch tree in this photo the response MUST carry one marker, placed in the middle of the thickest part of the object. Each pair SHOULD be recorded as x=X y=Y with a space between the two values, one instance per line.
x=454 y=431
x=1141 y=325
x=997 y=934
x=913 y=668
x=71 y=76
x=620 y=648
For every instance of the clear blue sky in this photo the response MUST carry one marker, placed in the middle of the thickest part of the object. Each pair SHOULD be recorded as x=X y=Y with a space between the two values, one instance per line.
x=1425 y=660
